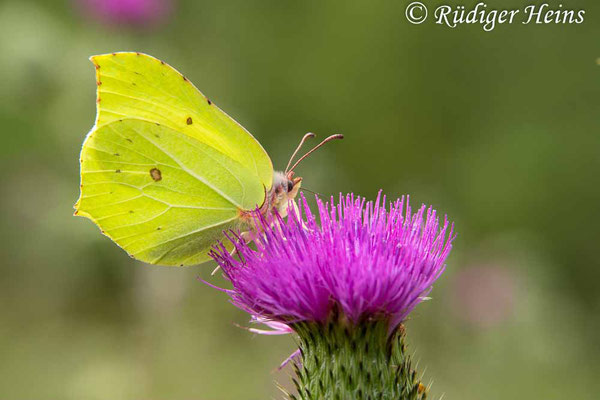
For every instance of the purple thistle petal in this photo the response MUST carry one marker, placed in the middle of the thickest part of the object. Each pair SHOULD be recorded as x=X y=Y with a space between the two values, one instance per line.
x=277 y=328
x=366 y=259
x=126 y=12
x=290 y=358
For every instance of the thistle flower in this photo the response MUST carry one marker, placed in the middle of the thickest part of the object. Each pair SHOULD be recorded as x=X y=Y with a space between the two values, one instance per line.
x=344 y=286
x=366 y=260
x=126 y=12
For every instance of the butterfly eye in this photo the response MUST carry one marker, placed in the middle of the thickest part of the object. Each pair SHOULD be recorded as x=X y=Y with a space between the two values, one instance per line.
x=290 y=186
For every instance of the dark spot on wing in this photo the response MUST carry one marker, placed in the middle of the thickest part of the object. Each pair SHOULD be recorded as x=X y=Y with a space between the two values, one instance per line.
x=98 y=83
x=189 y=120
x=208 y=101
x=97 y=66
x=158 y=229
x=137 y=54
x=133 y=83
x=155 y=174
x=137 y=73
x=129 y=140
x=162 y=62
x=117 y=154
x=118 y=171
x=130 y=211
x=120 y=120
x=184 y=78
x=114 y=54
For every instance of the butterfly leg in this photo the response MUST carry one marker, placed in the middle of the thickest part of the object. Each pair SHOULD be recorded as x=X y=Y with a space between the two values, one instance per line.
x=247 y=237
x=292 y=205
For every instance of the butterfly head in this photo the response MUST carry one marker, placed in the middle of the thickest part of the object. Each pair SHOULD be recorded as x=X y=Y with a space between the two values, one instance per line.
x=285 y=185
x=285 y=188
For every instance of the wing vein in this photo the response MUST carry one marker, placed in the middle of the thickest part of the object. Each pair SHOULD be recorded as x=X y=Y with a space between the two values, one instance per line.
x=141 y=222
x=181 y=237
x=157 y=88
x=190 y=172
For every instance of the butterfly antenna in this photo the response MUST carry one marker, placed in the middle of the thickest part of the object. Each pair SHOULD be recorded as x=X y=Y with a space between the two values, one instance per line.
x=307 y=136
x=328 y=139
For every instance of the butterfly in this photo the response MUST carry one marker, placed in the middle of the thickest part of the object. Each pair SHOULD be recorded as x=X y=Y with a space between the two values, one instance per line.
x=165 y=172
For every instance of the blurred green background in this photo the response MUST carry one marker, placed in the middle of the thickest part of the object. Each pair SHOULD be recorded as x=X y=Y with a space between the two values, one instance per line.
x=498 y=130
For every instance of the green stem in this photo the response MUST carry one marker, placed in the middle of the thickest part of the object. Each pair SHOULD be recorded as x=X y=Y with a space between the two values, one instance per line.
x=340 y=360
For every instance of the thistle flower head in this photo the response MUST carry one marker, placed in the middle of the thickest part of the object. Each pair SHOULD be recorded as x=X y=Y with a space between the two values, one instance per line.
x=364 y=259
x=127 y=12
